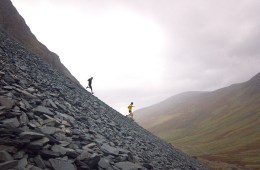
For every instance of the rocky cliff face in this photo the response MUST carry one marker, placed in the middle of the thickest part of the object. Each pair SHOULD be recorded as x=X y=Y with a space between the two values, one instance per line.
x=48 y=121
x=14 y=24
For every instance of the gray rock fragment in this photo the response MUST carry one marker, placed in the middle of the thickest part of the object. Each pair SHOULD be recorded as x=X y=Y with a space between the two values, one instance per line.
x=19 y=154
x=59 y=149
x=42 y=110
x=103 y=163
x=27 y=94
x=9 y=149
x=8 y=87
x=90 y=159
x=58 y=164
x=22 y=163
x=31 y=90
x=5 y=156
x=72 y=154
x=49 y=154
x=39 y=162
x=128 y=166
x=48 y=130
x=24 y=119
x=13 y=122
x=31 y=167
x=148 y=166
x=90 y=146
x=31 y=135
x=8 y=165
x=9 y=78
x=50 y=103
x=66 y=117
x=2 y=73
x=6 y=102
x=38 y=144
x=109 y=150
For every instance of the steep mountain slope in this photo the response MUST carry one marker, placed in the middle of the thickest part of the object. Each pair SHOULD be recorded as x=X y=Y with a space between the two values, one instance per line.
x=48 y=121
x=14 y=24
x=222 y=125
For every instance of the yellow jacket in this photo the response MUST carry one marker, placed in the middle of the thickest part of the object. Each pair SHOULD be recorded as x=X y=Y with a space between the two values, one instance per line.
x=130 y=107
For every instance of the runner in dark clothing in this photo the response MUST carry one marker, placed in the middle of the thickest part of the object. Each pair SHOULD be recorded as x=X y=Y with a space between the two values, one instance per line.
x=90 y=84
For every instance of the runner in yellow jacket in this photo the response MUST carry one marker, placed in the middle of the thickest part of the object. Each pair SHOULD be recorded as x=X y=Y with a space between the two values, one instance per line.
x=130 y=107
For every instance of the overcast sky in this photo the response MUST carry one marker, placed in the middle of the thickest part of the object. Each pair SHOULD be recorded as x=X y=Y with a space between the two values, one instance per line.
x=148 y=50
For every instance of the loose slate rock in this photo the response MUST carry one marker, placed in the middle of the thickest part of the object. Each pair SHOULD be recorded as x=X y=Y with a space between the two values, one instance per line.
x=110 y=150
x=13 y=122
x=27 y=94
x=66 y=117
x=9 y=149
x=31 y=135
x=128 y=166
x=31 y=167
x=2 y=73
x=148 y=166
x=58 y=164
x=59 y=149
x=90 y=159
x=91 y=145
x=39 y=162
x=84 y=155
x=19 y=155
x=22 y=163
x=103 y=163
x=49 y=154
x=48 y=130
x=92 y=162
x=24 y=119
x=38 y=144
x=72 y=154
x=50 y=103
x=42 y=110
x=9 y=78
x=6 y=102
x=5 y=156
x=8 y=165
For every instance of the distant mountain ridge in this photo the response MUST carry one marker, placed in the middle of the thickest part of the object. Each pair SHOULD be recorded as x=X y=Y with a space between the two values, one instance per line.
x=218 y=125
x=14 y=24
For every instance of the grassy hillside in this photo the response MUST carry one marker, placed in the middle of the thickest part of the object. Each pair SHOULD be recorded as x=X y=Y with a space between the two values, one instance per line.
x=222 y=125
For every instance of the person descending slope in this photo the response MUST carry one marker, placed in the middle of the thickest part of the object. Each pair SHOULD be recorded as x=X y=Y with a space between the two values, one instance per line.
x=90 y=84
x=130 y=107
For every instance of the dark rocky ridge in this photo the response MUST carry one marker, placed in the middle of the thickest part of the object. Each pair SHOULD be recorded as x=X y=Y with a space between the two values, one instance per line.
x=15 y=25
x=47 y=121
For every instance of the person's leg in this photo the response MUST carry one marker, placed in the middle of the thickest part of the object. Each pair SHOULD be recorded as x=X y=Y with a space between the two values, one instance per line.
x=91 y=89
x=131 y=115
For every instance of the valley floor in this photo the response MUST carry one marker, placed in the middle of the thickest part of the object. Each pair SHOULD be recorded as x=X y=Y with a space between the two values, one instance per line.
x=225 y=161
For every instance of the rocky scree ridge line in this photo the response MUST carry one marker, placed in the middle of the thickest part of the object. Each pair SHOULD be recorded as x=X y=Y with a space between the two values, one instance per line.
x=14 y=24
x=49 y=122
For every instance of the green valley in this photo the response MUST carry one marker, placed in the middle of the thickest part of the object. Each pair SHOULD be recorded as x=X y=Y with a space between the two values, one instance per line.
x=217 y=126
